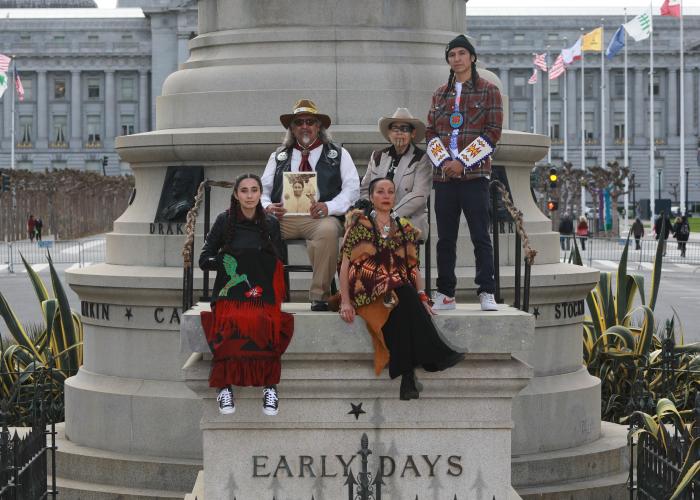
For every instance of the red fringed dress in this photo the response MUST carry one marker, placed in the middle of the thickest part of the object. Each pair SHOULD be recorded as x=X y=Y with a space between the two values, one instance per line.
x=246 y=329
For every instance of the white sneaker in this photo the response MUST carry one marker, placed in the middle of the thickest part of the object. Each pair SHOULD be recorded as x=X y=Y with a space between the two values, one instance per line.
x=271 y=401
x=442 y=302
x=225 y=400
x=488 y=302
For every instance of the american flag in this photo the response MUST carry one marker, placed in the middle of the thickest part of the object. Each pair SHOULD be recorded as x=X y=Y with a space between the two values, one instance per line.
x=533 y=78
x=20 y=88
x=540 y=62
x=4 y=63
x=557 y=68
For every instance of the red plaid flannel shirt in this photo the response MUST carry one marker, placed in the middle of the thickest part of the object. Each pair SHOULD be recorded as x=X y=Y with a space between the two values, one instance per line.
x=483 y=115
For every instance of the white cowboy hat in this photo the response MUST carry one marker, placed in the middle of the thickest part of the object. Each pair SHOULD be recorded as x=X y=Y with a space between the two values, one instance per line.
x=402 y=115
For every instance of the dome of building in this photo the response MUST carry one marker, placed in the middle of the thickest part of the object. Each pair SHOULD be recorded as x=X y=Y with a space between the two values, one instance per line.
x=47 y=4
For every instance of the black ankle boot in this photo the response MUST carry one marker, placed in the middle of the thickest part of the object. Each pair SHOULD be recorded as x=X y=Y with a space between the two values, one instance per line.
x=408 y=387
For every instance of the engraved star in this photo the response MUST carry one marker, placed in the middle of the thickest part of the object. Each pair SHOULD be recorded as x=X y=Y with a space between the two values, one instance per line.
x=536 y=312
x=356 y=410
x=128 y=314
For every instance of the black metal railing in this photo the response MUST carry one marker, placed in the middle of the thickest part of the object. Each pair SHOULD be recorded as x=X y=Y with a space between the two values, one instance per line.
x=24 y=457
x=655 y=468
x=499 y=193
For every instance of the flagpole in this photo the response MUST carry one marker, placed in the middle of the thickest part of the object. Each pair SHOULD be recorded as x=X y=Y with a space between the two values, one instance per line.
x=566 y=113
x=682 y=179
x=626 y=143
x=549 y=108
x=534 y=104
x=12 y=127
x=652 y=200
x=602 y=95
x=583 y=125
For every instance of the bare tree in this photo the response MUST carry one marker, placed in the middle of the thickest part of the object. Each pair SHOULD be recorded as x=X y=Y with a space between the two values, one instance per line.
x=612 y=178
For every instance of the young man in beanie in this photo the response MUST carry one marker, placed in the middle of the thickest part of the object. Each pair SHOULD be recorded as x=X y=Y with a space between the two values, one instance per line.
x=464 y=125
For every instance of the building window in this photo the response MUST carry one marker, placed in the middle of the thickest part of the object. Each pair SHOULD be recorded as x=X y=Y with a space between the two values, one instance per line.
x=127 y=89
x=554 y=131
x=94 y=131
x=590 y=126
x=619 y=127
x=552 y=36
x=93 y=38
x=60 y=125
x=59 y=38
x=127 y=124
x=519 y=90
x=656 y=85
x=520 y=122
x=519 y=37
x=93 y=88
x=127 y=37
x=25 y=131
x=28 y=84
x=485 y=37
x=93 y=166
x=554 y=86
x=25 y=37
x=59 y=88
x=618 y=84
x=658 y=127
x=591 y=85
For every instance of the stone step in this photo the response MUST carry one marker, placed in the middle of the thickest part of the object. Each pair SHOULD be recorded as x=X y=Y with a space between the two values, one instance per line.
x=107 y=469
x=611 y=487
x=79 y=490
x=603 y=458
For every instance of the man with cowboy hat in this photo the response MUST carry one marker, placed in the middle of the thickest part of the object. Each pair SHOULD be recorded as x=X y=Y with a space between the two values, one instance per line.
x=464 y=125
x=307 y=147
x=404 y=163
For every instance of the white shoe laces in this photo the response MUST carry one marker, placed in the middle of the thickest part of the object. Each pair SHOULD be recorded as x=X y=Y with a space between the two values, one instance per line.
x=225 y=397
x=488 y=298
x=270 y=397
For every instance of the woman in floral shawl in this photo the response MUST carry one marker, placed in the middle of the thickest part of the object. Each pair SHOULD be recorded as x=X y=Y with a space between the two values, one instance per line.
x=381 y=282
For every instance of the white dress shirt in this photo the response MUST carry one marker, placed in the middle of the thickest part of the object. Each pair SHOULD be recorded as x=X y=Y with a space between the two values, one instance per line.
x=350 y=188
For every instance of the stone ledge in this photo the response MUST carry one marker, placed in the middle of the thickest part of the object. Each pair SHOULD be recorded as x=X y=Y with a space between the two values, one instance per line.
x=466 y=329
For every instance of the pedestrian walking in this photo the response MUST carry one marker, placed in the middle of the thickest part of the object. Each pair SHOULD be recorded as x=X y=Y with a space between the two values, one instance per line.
x=31 y=227
x=637 y=232
x=682 y=233
x=582 y=231
x=38 y=226
x=566 y=229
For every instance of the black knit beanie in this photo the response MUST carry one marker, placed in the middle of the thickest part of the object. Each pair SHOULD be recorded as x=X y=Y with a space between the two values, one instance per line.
x=460 y=41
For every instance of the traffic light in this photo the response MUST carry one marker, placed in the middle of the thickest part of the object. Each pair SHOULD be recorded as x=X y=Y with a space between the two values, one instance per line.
x=105 y=160
x=552 y=205
x=5 y=182
x=553 y=178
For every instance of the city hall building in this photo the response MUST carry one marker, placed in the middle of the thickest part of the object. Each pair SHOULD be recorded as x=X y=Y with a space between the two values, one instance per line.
x=92 y=74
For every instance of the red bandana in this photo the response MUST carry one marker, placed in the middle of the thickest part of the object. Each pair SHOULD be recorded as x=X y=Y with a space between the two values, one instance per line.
x=305 y=166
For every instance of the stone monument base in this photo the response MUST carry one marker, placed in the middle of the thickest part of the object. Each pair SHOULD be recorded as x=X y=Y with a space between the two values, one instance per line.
x=454 y=440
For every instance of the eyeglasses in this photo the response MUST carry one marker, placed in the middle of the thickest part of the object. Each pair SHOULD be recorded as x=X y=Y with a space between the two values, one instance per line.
x=401 y=128
x=309 y=122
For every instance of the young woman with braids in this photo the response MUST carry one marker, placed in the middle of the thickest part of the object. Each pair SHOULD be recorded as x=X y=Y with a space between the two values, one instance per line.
x=246 y=329
x=380 y=281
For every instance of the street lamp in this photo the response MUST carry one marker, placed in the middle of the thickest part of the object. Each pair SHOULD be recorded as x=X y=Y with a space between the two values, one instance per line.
x=658 y=189
x=686 y=192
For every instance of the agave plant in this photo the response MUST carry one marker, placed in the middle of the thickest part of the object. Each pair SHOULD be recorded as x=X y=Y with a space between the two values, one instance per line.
x=621 y=345
x=55 y=349
x=656 y=427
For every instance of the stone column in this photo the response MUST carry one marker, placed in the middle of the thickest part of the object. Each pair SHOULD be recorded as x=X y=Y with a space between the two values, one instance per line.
x=572 y=97
x=505 y=80
x=76 y=117
x=672 y=102
x=689 y=104
x=110 y=109
x=143 y=101
x=42 y=110
x=638 y=106
x=164 y=43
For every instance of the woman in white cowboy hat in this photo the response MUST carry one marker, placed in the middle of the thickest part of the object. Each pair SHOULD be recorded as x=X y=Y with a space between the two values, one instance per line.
x=404 y=163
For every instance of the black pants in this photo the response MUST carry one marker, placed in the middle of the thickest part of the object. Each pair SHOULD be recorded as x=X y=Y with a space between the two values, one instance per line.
x=636 y=243
x=451 y=200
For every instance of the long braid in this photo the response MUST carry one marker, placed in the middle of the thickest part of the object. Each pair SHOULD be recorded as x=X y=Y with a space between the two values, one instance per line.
x=451 y=81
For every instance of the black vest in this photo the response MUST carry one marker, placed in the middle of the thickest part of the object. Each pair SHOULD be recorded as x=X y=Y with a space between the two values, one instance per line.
x=329 y=182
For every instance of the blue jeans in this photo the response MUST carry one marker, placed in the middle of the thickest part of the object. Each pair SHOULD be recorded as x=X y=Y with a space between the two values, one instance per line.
x=451 y=200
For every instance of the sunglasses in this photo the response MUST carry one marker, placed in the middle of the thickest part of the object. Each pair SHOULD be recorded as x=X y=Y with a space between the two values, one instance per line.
x=309 y=122
x=401 y=128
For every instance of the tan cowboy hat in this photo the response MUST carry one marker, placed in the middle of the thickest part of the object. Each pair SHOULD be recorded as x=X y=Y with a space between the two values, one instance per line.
x=305 y=107
x=402 y=115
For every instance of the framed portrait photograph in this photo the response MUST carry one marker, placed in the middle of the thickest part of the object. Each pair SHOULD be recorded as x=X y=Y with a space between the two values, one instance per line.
x=298 y=192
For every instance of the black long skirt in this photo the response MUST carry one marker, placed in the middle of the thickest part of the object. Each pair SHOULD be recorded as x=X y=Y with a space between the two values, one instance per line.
x=411 y=336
